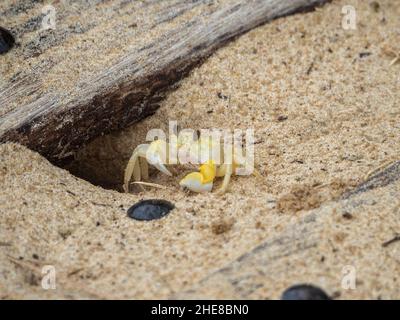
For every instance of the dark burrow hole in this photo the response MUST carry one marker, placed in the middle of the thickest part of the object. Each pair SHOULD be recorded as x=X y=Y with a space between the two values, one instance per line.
x=102 y=162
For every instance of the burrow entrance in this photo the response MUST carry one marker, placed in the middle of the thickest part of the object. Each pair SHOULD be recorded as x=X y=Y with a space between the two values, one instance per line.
x=102 y=162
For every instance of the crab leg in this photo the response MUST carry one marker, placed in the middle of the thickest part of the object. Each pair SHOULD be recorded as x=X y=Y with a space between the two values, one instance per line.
x=136 y=171
x=228 y=168
x=140 y=151
x=144 y=169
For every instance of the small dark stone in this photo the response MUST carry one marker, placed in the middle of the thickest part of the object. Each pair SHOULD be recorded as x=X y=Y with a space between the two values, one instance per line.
x=150 y=209
x=347 y=215
x=35 y=256
x=364 y=54
x=304 y=292
x=282 y=118
x=222 y=96
x=375 y=6
x=6 y=40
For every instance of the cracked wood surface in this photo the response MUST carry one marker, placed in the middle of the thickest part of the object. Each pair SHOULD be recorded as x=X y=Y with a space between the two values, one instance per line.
x=107 y=64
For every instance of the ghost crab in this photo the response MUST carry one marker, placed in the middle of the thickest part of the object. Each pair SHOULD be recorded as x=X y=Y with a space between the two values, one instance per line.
x=215 y=159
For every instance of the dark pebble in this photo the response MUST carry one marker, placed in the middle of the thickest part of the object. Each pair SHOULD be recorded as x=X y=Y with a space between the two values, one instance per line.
x=364 y=54
x=347 y=215
x=282 y=118
x=375 y=6
x=6 y=40
x=222 y=96
x=150 y=209
x=304 y=292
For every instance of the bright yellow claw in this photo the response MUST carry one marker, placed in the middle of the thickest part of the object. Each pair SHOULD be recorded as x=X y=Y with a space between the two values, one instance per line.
x=195 y=182
x=208 y=171
x=201 y=181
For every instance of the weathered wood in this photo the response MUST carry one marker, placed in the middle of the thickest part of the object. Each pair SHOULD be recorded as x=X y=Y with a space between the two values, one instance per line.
x=381 y=179
x=107 y=64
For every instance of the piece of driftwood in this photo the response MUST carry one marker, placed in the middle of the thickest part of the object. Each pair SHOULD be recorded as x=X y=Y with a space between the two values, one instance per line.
x=82 y=69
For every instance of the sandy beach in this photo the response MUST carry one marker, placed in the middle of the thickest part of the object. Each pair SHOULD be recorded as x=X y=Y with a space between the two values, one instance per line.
x=324 y=106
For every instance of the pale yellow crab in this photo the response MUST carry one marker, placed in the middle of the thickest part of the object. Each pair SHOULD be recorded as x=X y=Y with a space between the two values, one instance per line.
x=215 y=160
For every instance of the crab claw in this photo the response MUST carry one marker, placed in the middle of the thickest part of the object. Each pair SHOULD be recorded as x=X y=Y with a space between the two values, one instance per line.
x=156 y=161
x=208 y=171
x=154 y=156
x=195 y=182
x=162 y=168
x=200 y=181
